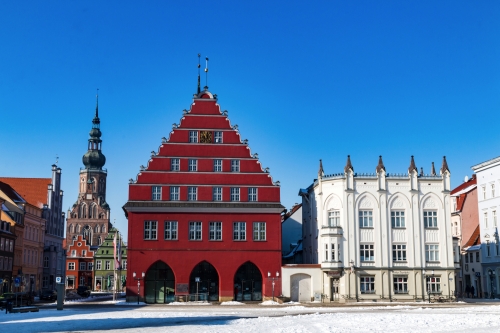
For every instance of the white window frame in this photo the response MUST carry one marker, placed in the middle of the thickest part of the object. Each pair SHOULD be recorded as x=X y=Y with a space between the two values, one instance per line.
x=235 y=165
x=124 y=265
x=432 y=252
x=252 y=194
x=492 y=190
x=367 y=252
x=192 y=164
x=399 y=252
x=217 y=165
x=150 y=230
x=175 y=164
x=218 y=137
x=192 y=193
x=239 y=231
x=215 y=231
x=156 y=193
x=71 y=266
x=333 y=218
x=400 y=284
x=365 y=218
x=433 y=284
x=485 y=219
x=217 y=193
x=171 y=230
x=195 y=231
x=83 y=266
x=367 y=284
x=98 y=265
x=193 y=136
x=90 y=266
x=430 y=219
x=235 y=194
x=107 y=265
x=259 y=231
x=174 y=193
x=398 y=219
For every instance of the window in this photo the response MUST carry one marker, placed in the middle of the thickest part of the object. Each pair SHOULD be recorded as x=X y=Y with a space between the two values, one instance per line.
x=471 y=257
x=492 y=190
x=175 y=164
x=156 y=193
x=194 y=230
x=98 y=265
x=488 y=249
x=217 y=137
x=107 y=265
x=366 y=252
x=217 y=165
x=45 y=262
x=174 y=193
x=82 y=280
x=332 y=251
x=367 y=284
x=434 y=285
x=83 y=266
x=84 y=253
x=399 y=252
x=477 y=256
x=71 y=282
x=334 y=218
x=192 y=193
x=71 y=266
x=432 y=252
x=150 y=229
x=192 y=165
x=326 y=252
x=235 y=165
x=485 y=219
x=90 y=266
x=170 y=230
x=217 y=194
x=124 y=265
x=252 y=194
x=45 y=282
x=2 y=243
x=239 y=232
x=215 y=231
x=398 y=219
x=494 y=213
x=73 y=253
x=365 y=219
x=259 y=231
x=193 y=136
x=466 y=258
x=400 y=284
x=484 y=191
x=235 y=194
x=430 y=219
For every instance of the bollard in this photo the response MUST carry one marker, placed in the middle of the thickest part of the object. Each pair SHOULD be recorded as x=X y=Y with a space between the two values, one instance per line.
x=60 y=295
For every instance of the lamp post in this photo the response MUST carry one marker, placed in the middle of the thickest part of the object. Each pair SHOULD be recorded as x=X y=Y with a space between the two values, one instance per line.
x=138 y=284
x=492 y=279
x=269 y=277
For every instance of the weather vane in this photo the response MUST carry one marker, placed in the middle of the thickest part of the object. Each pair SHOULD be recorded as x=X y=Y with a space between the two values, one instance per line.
x=206 y=73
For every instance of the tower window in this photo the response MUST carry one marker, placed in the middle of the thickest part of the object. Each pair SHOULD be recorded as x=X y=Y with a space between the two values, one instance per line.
x=193 y=136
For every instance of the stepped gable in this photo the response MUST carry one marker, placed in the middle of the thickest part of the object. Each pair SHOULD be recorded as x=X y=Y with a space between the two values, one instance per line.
x=205 y=117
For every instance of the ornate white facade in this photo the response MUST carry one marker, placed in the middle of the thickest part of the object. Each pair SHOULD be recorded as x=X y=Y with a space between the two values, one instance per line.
x=380 y=236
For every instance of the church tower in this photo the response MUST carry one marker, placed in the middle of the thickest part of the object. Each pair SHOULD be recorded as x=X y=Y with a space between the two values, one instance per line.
x=90 y=214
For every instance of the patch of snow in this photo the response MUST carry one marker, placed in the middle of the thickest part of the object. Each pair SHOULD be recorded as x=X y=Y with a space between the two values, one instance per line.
x=232 y=303
x=270 y=303
x=189 y=303
x=292 y=303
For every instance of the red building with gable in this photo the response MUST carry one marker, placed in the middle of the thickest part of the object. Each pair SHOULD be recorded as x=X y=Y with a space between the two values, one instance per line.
x=79 y=263
x=203 y=216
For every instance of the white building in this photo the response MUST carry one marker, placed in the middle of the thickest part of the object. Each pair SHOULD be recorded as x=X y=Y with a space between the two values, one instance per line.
x=488 y=182
x=379 y=236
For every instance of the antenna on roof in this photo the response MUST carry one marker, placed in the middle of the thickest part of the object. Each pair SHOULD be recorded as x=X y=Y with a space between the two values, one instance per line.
x=57 y=159
x=199 y=55
x=206 y=73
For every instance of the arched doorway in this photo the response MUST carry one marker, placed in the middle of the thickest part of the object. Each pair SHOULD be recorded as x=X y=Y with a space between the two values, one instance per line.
x=204 y=282
x=159 y=284
x=248 y=283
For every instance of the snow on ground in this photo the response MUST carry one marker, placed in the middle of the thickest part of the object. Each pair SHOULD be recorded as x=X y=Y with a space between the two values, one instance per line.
x=253 y=318
x=232 y=303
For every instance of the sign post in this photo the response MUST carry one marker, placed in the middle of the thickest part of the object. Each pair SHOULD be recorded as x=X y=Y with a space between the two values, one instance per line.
x=60 y=293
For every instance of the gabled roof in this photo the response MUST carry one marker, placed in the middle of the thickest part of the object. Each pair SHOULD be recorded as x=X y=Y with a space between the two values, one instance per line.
x=33 y=190
x=474 y=238
x=291 y=212
x=463 y=190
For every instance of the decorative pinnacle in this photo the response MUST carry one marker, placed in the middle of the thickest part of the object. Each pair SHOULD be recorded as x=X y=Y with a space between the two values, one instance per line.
x=444 y=166
x=380 y=165
x=412 y=166
x=433 y=170
x=321 y=172
x=348 y=165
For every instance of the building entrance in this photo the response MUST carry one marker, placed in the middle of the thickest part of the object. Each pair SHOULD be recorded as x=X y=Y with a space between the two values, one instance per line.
x=204 y=283
x=248 y=283
x=335 y=290
x=159 y=284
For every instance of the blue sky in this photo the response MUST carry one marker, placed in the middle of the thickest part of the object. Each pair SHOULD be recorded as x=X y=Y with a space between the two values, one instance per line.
x=303 y=81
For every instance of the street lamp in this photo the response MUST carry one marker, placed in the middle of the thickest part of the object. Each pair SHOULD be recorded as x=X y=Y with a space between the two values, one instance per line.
x=492 y=278
x=138 y=284
x=273 y=279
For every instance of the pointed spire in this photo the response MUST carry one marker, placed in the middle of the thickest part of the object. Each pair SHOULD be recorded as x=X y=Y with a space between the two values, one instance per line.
x=421 y=172
x=433 y=170
x=380 y=165
x=321 y=173
x=96 y=121
x=348 y=164
x=199 y=55
x=444 y=166
x=412 y=166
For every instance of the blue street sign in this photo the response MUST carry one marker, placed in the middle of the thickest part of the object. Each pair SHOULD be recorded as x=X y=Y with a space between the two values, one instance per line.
x=17 y=281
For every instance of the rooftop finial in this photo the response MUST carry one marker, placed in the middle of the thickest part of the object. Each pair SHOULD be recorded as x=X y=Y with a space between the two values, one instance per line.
x=421 y=171
x=380 y=165
x=444 y=166
x=348 y=164
x=97 y=104
x=206 y=73
x=433 y=170
x=321 y=173
x=412 y=166
x=199 y=55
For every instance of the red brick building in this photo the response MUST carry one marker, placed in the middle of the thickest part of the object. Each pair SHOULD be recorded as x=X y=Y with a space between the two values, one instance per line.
x=79 y=263
x=204 y=216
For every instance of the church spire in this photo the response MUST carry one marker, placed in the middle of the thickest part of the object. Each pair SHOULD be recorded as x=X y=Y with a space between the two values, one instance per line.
x=96 y=121
x=94 y=158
